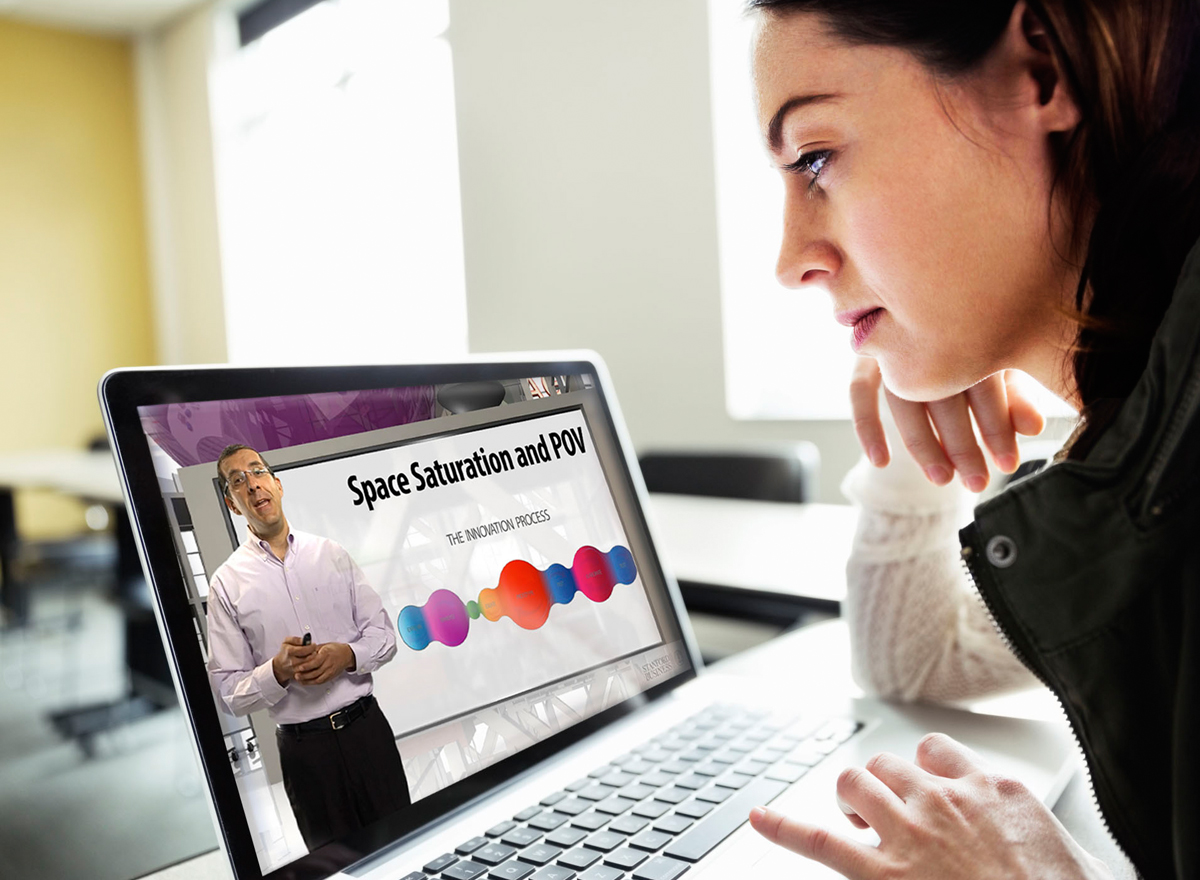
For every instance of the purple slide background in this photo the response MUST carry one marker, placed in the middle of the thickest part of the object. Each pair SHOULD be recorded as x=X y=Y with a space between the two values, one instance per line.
x=194 y=433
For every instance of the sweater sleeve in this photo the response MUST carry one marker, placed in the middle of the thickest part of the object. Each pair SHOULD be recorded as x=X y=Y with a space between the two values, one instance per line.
x=918 y=630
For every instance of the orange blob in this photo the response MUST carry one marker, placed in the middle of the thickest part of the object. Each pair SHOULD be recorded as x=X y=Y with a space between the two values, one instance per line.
x=523 y=595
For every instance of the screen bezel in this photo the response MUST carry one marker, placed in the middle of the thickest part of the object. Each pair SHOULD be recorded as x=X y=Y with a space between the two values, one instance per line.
x=123 y=391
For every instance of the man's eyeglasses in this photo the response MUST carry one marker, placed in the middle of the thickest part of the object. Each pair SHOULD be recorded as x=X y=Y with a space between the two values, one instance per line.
x=237 y=479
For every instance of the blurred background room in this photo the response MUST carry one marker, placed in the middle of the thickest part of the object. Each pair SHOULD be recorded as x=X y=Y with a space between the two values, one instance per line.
x=291 y=181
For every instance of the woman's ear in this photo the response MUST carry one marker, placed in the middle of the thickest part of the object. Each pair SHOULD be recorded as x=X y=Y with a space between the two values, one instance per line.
x=1026 y=57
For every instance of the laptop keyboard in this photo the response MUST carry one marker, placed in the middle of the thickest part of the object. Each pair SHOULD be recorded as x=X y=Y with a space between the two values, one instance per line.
x=655 y=811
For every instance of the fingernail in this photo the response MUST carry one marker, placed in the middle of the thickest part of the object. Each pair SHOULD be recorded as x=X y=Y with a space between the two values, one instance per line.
x=1007 y=463
x=976 y=483
x=937 y=474
x=758 y=813
x=878 y=455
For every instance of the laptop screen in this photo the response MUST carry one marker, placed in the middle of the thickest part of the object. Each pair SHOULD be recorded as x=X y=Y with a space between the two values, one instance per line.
x=462 y=565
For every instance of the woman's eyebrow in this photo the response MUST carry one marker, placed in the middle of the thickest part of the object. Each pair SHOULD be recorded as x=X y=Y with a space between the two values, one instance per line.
x=775 y=126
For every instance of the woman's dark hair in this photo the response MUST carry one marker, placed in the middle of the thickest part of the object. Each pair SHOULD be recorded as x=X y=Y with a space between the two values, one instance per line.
x=1132 y=164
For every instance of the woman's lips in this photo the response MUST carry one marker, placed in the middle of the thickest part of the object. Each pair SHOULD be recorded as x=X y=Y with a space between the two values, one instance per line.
x=863 y=321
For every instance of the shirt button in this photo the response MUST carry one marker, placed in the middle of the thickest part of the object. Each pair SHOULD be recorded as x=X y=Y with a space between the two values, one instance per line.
x=306 y=627
x=297 y=598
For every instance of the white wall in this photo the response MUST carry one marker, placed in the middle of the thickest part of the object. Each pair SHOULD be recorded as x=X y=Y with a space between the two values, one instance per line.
x=589 y=202
x=585 y=145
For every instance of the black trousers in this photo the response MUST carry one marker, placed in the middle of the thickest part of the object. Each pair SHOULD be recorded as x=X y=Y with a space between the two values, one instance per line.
x=340 y=780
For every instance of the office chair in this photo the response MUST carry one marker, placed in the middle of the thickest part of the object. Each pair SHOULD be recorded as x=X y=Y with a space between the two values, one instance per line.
x=782 y=474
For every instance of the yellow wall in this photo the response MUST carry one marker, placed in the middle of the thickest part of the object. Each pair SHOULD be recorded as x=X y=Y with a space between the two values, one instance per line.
x=74 y=288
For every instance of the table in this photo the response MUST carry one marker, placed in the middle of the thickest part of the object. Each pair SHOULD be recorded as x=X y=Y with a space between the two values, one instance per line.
x=764 y=560
x=92 y=477
x=826 y=646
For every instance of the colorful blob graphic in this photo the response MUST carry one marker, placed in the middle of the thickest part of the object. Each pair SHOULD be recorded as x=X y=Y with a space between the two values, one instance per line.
x=524 y=595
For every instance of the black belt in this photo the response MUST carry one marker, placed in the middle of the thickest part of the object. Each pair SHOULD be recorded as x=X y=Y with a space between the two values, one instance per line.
x=341 y=718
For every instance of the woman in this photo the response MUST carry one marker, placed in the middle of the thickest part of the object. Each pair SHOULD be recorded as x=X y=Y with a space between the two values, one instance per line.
x=979 y=187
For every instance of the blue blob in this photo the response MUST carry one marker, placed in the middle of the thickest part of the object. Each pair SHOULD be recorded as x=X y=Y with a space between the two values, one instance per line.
x=411 y=624
x=560 y=582
x=620 y=560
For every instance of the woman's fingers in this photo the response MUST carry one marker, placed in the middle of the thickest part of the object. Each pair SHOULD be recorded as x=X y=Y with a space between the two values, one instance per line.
x=912 y=421
x=989 y=402
x=861 y=793
x=847 y=857
x=952 y=419
x=944 y=756
x=1024 y=415
x=864 y=405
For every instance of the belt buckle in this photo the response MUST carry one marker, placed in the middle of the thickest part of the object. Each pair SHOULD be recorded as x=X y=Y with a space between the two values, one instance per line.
x=333 y=720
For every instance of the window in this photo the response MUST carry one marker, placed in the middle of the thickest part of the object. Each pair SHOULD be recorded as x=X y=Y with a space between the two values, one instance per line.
x=337 y=161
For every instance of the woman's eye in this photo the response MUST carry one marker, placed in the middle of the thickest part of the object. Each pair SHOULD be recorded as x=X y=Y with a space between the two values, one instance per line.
x=812 y=163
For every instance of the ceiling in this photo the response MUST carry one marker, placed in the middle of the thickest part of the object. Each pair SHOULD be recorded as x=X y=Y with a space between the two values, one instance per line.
x=101 y=16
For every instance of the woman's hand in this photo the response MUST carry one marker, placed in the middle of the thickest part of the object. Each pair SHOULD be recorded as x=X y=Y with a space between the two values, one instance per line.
x=938 y=434
x=944 y=817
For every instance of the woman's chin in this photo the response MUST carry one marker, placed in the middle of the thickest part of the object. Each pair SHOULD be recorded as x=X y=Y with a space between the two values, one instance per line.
x=920 y=386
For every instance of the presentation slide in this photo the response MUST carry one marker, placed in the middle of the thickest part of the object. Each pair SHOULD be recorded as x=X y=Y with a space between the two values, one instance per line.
x=498 y=553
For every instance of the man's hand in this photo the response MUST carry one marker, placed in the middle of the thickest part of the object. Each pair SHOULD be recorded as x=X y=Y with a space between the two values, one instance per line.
x=326 y=662
x=938 y=434
x=292 y=652
x=944 y=817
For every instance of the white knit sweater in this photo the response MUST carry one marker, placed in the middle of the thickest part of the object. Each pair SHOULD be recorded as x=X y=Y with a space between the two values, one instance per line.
x=918 y=630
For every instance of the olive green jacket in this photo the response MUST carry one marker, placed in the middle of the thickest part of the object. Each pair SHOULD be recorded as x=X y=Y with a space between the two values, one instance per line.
x=1091 y=570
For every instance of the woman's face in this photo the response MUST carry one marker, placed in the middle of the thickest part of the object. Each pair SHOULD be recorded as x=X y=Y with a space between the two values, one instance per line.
x=921 y=206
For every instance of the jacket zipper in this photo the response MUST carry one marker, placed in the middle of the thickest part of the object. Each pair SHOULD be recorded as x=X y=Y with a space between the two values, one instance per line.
x=969 y=557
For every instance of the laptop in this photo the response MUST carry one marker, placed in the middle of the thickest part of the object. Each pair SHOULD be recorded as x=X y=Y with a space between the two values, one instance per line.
x=483 y=525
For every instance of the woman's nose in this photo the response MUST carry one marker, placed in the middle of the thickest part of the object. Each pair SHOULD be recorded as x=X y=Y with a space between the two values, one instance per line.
x=805 y=255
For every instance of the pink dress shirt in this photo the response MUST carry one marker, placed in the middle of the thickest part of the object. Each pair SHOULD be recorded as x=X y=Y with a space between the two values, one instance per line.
x=255 y=601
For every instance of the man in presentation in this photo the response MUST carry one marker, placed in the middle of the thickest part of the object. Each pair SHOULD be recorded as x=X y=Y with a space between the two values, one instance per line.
x=294 y=628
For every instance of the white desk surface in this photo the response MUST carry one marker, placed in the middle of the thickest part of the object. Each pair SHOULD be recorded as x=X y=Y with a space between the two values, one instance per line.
x=792 y=549
x=88 y=475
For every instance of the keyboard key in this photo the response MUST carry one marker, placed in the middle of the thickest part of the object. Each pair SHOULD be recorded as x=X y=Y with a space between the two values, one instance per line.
x=552 y=799
x=786 y=772
x=566 y=837
x=554 y=872
x=710 y=831
x=579 y=858
x=501 y=828
x=658 y=778
x=540 y=854
x=605 y=841
x=578 y=784
x=675 y=767
x=715 y=795
x=603 y=770
x=709 y=769
x=467 y=847
x=590 y=821
x=465 y=871
x=694 y=755
x=594 y=792
x=807 y=755
x=528 y=813
x=574 y=806
x=651 y=840
x=638 y=767
x=656 y=755
x=415 y=875
x=651 y=809
x=628 y=824
x=548 y=821
x=733 y=780
x=513 y=870
x=615 y=805
x=753 y=768
x=637 y=791
x=768 y=756
x=617 y=779
x=674 y=794
x=625 y=858
x=694 y=809
x=494 y=853
x=675 y=824
x=520 y=837
x=693 y=781
x=660 y=868
x=440 y=863
x=601 y=872
x=622 y=760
